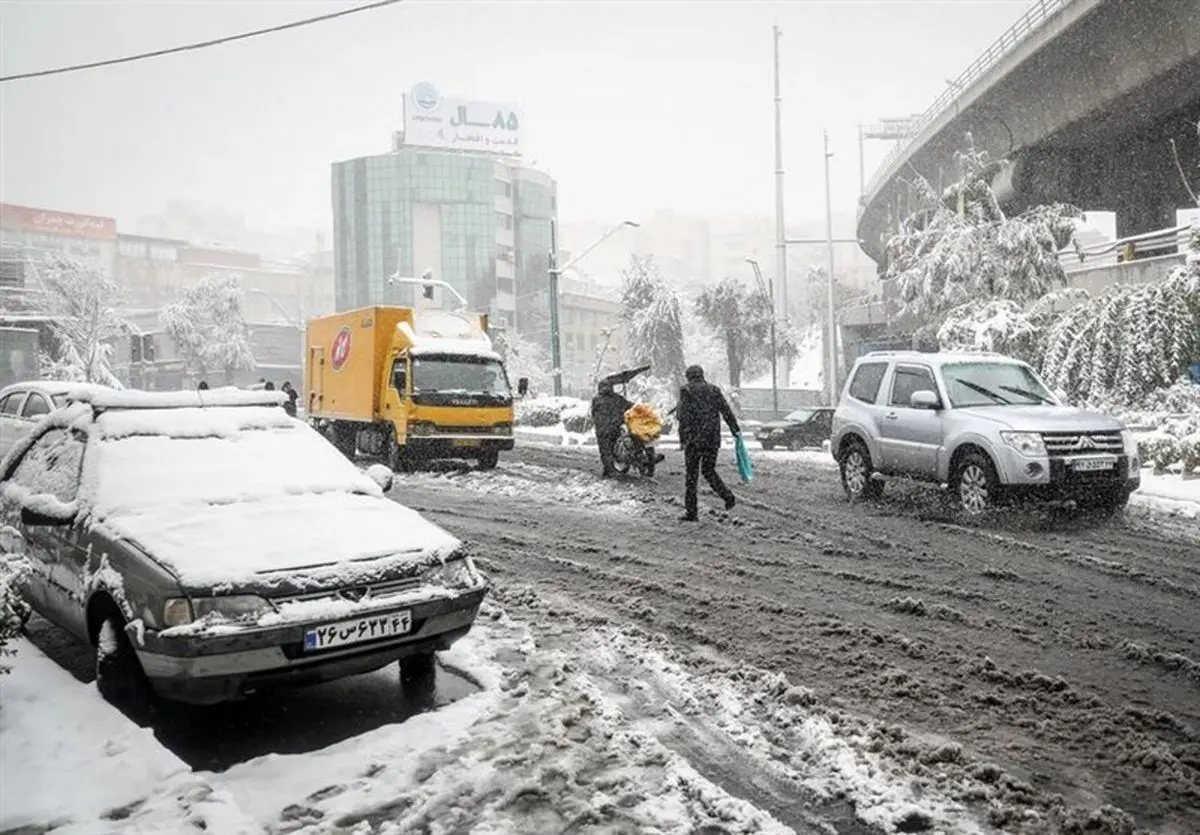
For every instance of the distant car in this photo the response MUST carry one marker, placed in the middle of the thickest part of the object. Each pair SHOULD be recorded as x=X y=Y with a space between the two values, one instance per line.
x=984 y=424
x=23 y=404
x=798 y=429
x=211 y=546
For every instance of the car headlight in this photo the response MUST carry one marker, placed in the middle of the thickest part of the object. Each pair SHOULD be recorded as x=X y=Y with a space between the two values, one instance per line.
x=455 y=573
x=177 y=611
x=234 y=607
x=1026 y=443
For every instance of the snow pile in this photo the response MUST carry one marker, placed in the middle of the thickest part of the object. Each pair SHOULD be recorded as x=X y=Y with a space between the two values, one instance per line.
x=71 y=763
x=528 y=483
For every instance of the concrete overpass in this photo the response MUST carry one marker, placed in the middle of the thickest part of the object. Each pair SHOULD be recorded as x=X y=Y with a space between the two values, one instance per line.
x=1081 y=97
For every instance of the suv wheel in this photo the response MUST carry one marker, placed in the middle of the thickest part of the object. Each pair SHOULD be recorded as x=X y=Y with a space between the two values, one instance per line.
x=975 y=483
x=857 y=472
x=119 y=675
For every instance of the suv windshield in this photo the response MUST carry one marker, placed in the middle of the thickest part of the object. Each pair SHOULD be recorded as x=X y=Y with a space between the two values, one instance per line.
x=993 y=384
x=459 y=375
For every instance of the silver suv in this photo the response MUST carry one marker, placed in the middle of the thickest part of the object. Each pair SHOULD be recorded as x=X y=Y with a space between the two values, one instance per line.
x=984 y=424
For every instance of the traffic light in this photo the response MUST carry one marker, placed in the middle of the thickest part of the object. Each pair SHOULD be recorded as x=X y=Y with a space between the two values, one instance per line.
x=148 y=348
x=427 y=291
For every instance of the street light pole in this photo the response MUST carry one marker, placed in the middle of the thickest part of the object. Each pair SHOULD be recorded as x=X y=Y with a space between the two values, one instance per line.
x=554 y=272
x=832 y=323
x=555 y=343
x=780 y=245
x=768 y=290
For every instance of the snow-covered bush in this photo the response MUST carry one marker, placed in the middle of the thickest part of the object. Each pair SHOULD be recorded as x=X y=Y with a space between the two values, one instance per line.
x=1160 y=449
x=1189 y=452
x=544 y=411
x=997 y=325
x=13 y=608
x=577 y=418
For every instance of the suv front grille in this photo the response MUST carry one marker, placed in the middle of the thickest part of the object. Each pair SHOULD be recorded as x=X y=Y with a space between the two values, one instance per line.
x=1083 y=443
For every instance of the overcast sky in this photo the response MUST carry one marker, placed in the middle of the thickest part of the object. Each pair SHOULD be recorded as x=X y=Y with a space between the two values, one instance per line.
x=632 y=106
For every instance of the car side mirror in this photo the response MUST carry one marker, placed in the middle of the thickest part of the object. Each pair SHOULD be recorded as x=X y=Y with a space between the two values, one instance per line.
x=925 y=399
x=38 y=519
x=522 y=386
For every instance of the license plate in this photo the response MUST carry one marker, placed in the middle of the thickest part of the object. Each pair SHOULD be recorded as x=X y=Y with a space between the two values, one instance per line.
x=356 y=631
x=1090 y=465
x=466 y=442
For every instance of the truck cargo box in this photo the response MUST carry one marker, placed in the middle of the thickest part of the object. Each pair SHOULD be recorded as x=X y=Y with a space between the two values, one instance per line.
x=347 y=353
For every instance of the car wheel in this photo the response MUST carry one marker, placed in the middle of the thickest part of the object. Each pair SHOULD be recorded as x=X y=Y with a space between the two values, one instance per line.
x=975 y=483
x=119 y=675
x=857 y=471
x=489 y=460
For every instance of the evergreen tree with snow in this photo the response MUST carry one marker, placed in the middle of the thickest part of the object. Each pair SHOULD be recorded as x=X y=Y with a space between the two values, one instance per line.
x=741 y=320
x=208 y=328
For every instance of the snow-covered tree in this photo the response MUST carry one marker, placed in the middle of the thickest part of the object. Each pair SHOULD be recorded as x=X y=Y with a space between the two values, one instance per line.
x=82 y=304
x=999 y=325
x=960 y=247
x=741 y=320
x=525 y=358
x=208 y=328
x=653 y=318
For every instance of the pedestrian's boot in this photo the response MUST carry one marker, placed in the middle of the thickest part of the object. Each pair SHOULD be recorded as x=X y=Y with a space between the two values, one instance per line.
x=730 y=501
x=689 y=517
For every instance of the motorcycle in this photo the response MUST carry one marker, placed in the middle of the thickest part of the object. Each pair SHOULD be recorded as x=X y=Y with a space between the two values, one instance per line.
x=643 y=426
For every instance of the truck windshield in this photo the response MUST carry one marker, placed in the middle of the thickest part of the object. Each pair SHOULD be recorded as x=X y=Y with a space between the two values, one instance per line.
x=993 y=384
x=459 y=375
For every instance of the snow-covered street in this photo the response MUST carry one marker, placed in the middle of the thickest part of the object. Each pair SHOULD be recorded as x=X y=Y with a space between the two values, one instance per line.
x=799 y=665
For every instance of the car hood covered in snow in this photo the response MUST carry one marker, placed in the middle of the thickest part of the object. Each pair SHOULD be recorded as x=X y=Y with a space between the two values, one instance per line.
x=314 y=540
x=1046 y=418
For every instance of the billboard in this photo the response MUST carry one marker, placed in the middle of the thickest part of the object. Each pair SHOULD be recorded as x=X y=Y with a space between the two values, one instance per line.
x=61 y=224
x=432 y=121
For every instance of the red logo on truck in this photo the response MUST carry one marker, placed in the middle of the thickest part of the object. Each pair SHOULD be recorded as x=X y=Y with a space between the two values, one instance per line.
x=341 y=349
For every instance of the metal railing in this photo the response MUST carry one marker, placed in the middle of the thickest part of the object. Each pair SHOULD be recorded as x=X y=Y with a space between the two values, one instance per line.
x=1174 y=239
x=1026 y=25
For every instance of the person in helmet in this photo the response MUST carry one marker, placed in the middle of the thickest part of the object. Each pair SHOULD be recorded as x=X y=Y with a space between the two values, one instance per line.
x=608 y=416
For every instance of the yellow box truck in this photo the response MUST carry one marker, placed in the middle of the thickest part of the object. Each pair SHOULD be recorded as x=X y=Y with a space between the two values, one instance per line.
x=408 y=384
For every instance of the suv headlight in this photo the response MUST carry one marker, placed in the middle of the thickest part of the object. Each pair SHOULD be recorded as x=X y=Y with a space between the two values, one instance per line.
x=234 y=607
x=1026 y=443
x=1129 y=441
x=455 y=573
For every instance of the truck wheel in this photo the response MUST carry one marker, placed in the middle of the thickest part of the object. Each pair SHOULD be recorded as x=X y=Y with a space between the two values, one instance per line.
x=857 y=471
x=975 y=483
x=119 y=675
x=489 y=459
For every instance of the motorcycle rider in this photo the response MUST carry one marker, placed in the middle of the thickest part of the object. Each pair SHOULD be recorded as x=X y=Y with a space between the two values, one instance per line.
x=608 y=416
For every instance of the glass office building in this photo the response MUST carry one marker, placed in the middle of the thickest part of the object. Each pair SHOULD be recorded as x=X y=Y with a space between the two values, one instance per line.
x=479 y=223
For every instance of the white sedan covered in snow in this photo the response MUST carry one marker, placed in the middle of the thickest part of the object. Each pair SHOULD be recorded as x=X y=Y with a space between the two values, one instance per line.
x=212 y=546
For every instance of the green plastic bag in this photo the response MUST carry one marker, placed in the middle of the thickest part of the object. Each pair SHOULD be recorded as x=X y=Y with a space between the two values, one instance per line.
x=744 y=464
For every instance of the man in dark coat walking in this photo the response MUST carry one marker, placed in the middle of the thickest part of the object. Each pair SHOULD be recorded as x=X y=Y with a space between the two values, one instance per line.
x=701 y=407
x=608 y=416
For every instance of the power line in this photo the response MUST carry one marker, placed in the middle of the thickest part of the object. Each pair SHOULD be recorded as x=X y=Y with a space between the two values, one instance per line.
x=201 y=45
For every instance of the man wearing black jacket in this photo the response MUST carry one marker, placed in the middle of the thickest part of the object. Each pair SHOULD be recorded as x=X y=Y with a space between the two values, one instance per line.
x=608 y=416
x=701 y=407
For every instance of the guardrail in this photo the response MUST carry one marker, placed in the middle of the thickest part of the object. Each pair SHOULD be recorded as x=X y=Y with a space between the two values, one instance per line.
x=1146 y=245
x=1025 y=26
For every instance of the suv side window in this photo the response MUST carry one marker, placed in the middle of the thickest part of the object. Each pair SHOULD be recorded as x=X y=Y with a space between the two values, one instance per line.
x=866 y=382
x=52 y=465
x=906 y=380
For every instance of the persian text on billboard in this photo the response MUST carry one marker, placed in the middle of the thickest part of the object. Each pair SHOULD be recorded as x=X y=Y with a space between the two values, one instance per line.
x=62 y=224
x=436 y=122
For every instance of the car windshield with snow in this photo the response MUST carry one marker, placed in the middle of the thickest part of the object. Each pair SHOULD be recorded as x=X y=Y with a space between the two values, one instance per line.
x=212 y=546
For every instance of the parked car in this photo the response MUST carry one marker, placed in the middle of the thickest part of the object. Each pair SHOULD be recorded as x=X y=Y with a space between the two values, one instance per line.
x=984 y=424
x=23 y=404
x=211 y=546
x=798 y=429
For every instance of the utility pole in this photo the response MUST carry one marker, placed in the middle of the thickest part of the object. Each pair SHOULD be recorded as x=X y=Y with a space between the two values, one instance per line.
x=780 y=235
x=862 y=173
x=831 y=325
x=555 y=342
